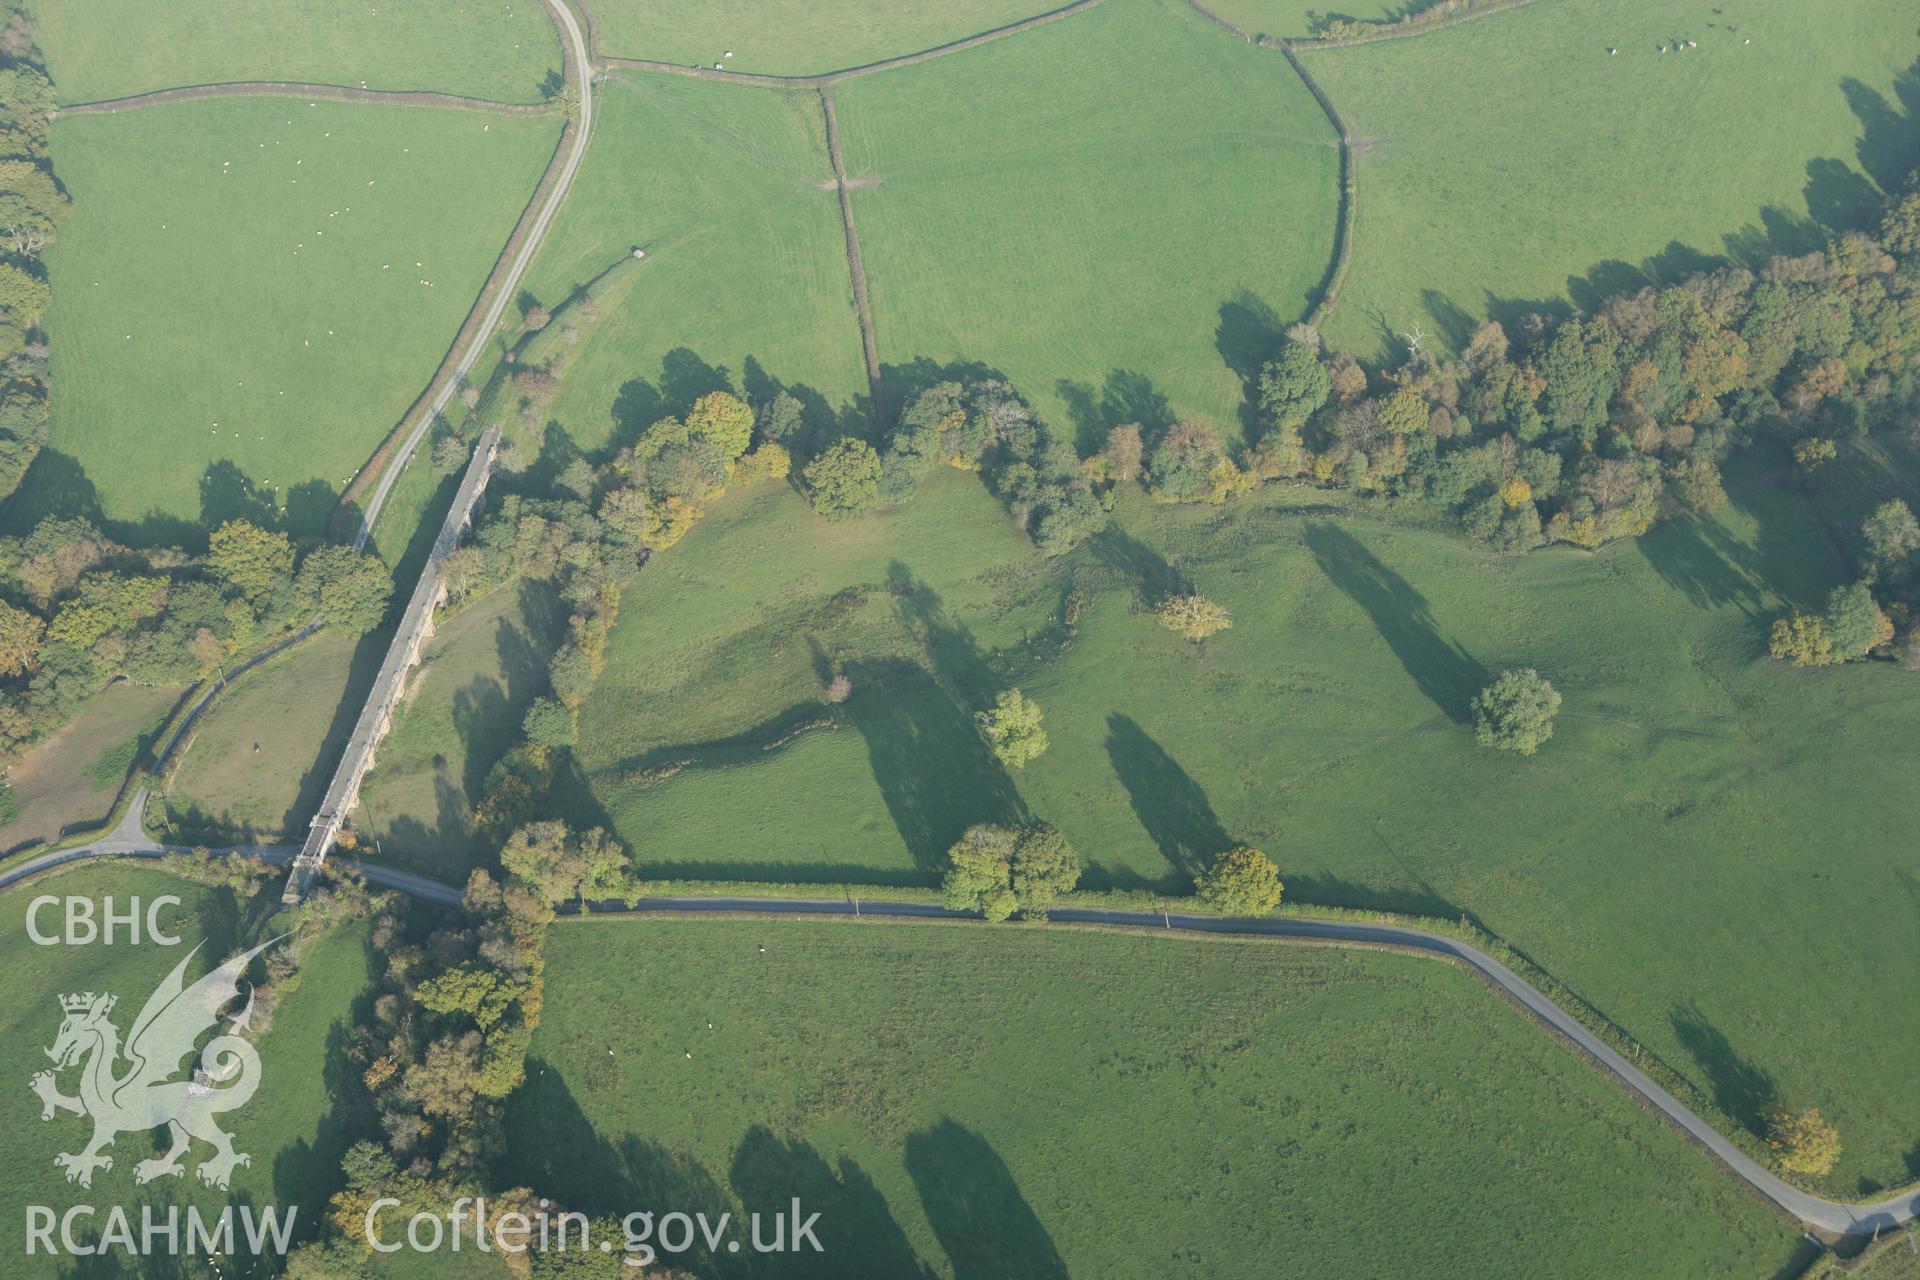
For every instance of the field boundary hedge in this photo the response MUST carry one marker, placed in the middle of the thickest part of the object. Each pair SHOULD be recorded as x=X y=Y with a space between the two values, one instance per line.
x=293 y=89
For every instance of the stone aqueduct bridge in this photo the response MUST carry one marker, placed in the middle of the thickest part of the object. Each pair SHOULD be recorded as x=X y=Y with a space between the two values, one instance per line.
x=377 y=716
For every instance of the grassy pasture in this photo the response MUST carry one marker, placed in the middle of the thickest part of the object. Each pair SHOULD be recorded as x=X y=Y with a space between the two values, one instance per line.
x=1697 y=805
x=72 y=777
x=1294 y=19
x=1118 y=211
x=261 y=758
x=793 y=37
x=1090 y=1104
x=729 y=191
x=505 y=50
x=295 y=1145
x=462 y=710
x=251 y=263
x=1484 y=188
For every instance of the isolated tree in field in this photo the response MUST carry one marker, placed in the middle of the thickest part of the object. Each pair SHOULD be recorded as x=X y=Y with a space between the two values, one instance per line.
x=252 y=561
x=1045 y=867
x=1515 y=712
x=1012 y=729
x=1294 y=386
x=537 y=318
x=19 y=640
x=844 y=482
x=1892 y=536
x=1802 y=1142
x=1193 y=616
x=1241 y=882
x=449 y=453
x=724 y=420
x=839 y=689
x=1855 y=623
x=346 y=589
x=981 y=875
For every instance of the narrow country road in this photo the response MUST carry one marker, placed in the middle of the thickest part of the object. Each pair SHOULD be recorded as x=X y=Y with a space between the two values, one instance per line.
x=1834 y=1217
x=575 y=49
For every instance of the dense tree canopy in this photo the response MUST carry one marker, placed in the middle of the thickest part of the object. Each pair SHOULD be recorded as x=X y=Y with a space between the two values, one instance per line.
x=1515 y=712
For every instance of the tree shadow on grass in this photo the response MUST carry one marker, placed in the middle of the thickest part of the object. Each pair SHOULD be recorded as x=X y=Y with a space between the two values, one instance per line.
x=984 y=1223
x=1126 y=397
x=1249 y=334
x=1446 y=673
x=1155 y=579
x=1698 y=559
x=858 y=1234
x=1169 y=803
x=1740 y=1088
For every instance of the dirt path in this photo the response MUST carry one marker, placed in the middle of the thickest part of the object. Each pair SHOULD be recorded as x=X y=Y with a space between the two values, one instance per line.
x=289 y=89
x=847 y=73
x=856 y=270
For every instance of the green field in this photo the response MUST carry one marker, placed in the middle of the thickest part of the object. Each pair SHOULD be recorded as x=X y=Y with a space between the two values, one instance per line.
x=793 y=37
x=294 y=1142
x=1119 y=211
x=1485 y=189
x=1697 y=805
x=1297 y=19
x=506 y=50
x=251 y=263
x=72 y=778
x=462 y=710
x=1046 y=1104
x=260 y=758
x=729 y=191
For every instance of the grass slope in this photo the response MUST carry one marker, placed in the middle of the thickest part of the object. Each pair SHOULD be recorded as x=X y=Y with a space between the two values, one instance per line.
x=505 y=50
x=462 y=710
x=729 y=191
x=1710 y=849
x=285 y=1127
x=261 y=758
x=793 y=37
x=251 y=263
x=72 y=777
x=1485 y=189
x=1118 y=211
x=1045 y=1104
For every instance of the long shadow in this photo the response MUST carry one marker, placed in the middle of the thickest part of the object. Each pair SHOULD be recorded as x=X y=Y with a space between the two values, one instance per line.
x=1155 y=579
x=858 y=1234
x=1699 y=560
x=1169 y=803
x=1446 y=673
x=984 y=1223
x=950 y=646
x=1126 y=397
x=1742 y=1089
x=933 y=770
x=367 y=656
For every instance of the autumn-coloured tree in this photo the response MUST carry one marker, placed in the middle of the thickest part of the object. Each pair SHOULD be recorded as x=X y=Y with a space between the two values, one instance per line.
x=1802 y=1142
x=1192 y=615
x=252 y=561
x=1012 y=729
x=19 y=640
x=1241 y=881
x=724 y=420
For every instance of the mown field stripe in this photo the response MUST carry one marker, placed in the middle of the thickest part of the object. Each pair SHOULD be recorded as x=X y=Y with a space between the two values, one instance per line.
x=294 y=89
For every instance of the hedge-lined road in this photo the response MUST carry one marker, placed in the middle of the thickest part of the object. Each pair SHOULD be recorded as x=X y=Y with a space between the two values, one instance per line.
x=129 y=839
x=576 y=50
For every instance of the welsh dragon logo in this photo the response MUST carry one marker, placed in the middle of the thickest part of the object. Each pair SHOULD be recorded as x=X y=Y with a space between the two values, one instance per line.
x=145 y=1094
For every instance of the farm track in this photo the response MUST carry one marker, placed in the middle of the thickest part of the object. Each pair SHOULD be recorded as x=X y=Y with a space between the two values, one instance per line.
x=1837 y=1219
x=290 y=89
x=856 y=270
x=848 y=73
x=384 y=467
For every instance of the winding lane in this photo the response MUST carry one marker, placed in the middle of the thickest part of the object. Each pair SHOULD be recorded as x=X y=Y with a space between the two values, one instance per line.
x=576 y=48
x=1833 y=1217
